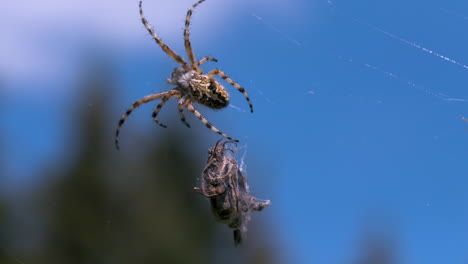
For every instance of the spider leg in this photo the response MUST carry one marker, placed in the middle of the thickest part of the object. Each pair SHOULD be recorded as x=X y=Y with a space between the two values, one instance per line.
x=158 y=40
x=203 y=60
x=180 y=105
x=205 y=122
x=188 y=45
x=231 y=82
x=143 y=100
x=158 y=108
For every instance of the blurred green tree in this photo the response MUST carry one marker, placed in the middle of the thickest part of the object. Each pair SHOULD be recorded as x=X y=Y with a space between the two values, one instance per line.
x=109 y=207
x=5 y=207
x=376 y=245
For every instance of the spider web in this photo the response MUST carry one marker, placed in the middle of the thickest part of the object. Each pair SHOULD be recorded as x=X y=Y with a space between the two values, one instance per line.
x=391 y=73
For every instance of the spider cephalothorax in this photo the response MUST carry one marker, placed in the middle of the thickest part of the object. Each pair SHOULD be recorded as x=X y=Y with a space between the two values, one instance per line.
x=191 y=85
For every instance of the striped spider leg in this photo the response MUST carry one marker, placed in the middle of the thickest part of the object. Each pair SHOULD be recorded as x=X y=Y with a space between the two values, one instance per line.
x=149 y=98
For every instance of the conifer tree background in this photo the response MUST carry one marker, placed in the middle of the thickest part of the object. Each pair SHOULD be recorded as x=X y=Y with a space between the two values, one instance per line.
x=136 y=205
x=106 y=206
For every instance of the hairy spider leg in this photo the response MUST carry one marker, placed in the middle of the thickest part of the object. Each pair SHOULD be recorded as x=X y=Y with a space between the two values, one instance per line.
x=221 y=74
x=180 y=105
x=205 y=122
x=203 y=60
x=158 y=40
x=146 y=99
x=158 y=108
x=188 y=45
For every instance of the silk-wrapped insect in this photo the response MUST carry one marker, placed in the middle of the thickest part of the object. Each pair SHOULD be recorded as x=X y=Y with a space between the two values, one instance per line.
x=224 y=184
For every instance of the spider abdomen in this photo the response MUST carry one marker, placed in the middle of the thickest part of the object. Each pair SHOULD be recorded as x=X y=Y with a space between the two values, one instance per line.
x=209 y=92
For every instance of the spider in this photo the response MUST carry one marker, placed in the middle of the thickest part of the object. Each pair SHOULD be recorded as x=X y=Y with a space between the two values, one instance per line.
x=191 y=85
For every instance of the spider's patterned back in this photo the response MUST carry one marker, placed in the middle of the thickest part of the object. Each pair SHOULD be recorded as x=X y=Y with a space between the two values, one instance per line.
x=209 y=92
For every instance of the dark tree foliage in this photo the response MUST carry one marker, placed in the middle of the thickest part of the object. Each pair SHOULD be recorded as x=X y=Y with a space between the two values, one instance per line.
x=376 y=247
x=6 y=212
x=4 y=256
x=132 y=206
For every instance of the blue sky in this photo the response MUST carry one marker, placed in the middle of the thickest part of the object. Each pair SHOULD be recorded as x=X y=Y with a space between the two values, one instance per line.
x=356 y=106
